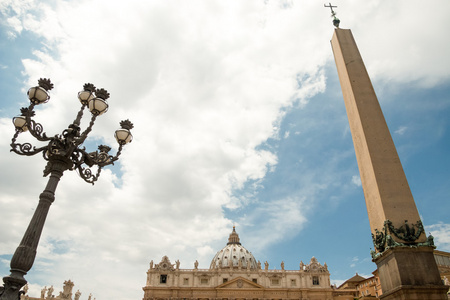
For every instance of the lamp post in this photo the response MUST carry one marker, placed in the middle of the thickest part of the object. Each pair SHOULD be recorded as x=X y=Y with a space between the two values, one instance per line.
x=62 y=152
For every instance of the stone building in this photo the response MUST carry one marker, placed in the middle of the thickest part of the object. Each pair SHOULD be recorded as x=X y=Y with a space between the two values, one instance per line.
x=234 y=273
x=369 y=288
x=443 y=262
x=348 y=289
x=47 y=293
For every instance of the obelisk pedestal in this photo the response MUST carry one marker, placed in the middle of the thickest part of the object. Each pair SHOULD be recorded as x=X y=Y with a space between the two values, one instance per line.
x=403 y=253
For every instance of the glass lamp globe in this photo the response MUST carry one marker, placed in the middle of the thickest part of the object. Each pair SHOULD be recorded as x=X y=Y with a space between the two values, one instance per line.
x=20 y=123
x=85 y=97
x=98 y=106
x=38 y=95
x=123 y=136
x=87 y=94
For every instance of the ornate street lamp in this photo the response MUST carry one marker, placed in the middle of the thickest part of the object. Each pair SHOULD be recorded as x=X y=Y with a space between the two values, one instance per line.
x=62 y=152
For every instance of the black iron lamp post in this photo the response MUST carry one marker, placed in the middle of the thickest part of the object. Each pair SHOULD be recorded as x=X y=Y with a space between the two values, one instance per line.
x=62 y=152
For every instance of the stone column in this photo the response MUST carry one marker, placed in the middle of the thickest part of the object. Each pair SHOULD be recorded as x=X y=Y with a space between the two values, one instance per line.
x=403 y=253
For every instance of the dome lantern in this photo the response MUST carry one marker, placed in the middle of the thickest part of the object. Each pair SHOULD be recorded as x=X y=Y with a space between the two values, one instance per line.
x=234 y=238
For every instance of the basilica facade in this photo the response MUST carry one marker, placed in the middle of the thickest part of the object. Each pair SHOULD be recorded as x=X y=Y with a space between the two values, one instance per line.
x=234 y=273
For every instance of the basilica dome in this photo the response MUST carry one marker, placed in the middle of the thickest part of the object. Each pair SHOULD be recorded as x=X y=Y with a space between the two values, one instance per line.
x=234 y=255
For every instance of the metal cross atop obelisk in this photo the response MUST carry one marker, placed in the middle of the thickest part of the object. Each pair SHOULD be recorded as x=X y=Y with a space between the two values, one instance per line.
x=403 y=253
x=336 y=21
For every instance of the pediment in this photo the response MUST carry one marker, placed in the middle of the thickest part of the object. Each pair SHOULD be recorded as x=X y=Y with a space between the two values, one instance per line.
x=239 y=283
x=164 y=265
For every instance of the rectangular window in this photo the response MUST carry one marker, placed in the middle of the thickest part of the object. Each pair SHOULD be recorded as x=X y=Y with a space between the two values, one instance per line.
x=255 y=280
x=315 y=280
x=163 y=279
x=186 y=281
x=204 y=281
x=275 y=281
x=293 y=282
x=225 y=280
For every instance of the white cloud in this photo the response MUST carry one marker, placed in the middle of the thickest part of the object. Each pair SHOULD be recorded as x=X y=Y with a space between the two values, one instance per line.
x=337 y=282
x=401 y=130
x=15 y=23
x=441 y=233
x=411 y=53
x=274 y=220
x=356 y=180
x=16 y=13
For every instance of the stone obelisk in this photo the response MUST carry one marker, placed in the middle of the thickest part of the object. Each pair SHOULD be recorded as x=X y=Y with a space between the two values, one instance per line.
x=403 y=253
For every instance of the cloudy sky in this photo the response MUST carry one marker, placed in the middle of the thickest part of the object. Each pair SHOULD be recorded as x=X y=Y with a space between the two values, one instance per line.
x=239 y=119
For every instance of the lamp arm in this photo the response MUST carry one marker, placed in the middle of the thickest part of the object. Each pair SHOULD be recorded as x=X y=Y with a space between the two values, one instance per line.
x=87 y=174
x=112 y=159
x=36 y=129
x=100 y=159
x=79 y=157
x=84 y=135
x=24 y=149
x=79 y=115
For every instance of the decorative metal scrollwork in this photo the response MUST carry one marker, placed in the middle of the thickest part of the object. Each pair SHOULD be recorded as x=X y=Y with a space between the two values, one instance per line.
x=67 y=145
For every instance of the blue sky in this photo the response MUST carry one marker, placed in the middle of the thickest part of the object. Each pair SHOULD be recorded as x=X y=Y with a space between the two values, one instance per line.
x=239 y=119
